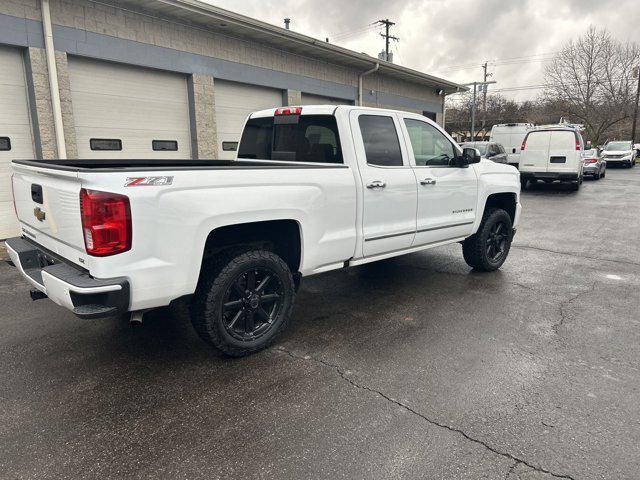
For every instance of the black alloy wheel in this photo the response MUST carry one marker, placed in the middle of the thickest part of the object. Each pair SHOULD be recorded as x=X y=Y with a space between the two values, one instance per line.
x=252 y=303
x=496 y=245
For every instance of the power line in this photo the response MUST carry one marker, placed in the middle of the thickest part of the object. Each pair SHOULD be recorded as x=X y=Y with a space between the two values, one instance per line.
x=540 y=57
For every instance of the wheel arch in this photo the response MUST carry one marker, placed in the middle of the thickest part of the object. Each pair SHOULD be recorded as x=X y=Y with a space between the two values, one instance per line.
x=283 y=237
x=507 y=201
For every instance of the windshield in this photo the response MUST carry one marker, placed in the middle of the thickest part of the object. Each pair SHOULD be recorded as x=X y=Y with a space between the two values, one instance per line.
x=482 y=147
x=618 y=146
x=590 y=153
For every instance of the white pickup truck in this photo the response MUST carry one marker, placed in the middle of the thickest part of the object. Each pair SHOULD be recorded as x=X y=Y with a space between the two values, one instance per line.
x=313 y=189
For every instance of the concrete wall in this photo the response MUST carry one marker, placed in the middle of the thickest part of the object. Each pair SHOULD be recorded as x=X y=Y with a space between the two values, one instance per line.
x=85 y=28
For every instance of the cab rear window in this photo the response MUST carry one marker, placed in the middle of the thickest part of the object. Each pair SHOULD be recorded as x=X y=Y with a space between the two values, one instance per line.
x=292 y=138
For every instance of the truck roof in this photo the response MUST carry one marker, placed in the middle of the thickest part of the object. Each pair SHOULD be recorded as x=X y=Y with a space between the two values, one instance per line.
x=320 y=110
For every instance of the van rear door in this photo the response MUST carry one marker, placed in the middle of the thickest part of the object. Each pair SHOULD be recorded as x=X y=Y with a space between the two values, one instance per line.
x=535 y=157
x=562 y=151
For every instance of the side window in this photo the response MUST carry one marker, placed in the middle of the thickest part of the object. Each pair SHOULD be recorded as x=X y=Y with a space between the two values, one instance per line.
x=5 y=144
x=430 y=146
x=381 y=144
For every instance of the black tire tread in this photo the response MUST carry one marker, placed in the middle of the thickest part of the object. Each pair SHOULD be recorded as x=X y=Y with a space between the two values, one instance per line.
x=473 y=248
x=215 y=274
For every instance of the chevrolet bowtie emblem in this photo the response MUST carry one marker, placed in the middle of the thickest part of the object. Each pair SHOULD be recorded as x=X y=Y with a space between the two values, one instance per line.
x=39 y=214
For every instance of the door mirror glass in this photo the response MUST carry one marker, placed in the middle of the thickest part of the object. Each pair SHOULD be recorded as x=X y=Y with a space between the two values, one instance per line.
x=469 y=156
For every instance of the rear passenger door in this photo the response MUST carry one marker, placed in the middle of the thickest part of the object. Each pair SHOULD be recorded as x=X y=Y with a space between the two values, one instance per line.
x=389 y=184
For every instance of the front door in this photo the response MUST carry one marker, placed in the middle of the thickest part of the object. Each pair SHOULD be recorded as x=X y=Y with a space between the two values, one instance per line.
x=389 y=184
x=447 y=194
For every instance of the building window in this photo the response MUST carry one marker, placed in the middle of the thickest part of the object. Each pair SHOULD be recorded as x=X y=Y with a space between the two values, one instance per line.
x=229 y=146
x=5 y=144
x=105 y=144
x=429 y=115
x=165 y=145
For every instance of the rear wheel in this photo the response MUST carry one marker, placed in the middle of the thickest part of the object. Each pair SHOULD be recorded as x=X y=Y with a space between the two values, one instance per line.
x=243 y=302
x=488 y=249
x=596 y=176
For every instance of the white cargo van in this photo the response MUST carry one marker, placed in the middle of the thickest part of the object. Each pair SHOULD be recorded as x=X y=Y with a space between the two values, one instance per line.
x=552 y=154
x=510 y=136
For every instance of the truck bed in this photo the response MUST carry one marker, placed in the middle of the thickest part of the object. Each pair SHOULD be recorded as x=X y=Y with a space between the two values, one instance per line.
x=124 y=165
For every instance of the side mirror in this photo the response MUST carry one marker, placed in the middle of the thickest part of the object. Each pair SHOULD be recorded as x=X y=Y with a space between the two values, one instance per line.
x=469 y=156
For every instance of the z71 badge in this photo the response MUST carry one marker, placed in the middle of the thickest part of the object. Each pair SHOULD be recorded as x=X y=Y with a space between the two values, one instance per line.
x=148 y=181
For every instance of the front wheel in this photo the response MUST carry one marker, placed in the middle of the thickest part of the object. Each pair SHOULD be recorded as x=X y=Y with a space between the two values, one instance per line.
x=488 y=249
x=243 y=301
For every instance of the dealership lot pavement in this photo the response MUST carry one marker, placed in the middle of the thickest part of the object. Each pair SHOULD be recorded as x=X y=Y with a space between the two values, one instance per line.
x=410 y=368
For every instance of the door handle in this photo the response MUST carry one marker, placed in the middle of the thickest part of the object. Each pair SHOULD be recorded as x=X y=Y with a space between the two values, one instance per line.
x=428 y=181
x=376 y=184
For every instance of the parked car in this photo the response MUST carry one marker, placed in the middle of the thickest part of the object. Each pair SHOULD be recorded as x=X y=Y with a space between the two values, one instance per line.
x=314 y=189
x=620 y=153
x=510 y=136
x=594 y=166
x=552 y=154
x=489 y=150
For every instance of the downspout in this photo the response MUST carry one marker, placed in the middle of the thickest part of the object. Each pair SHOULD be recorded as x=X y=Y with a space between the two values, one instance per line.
x=53 y=80
x=360 y=77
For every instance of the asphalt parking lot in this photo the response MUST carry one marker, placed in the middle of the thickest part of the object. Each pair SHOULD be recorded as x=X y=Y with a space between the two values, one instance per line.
x=410 y=368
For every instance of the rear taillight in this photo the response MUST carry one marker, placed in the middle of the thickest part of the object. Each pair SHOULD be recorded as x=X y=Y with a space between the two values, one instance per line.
x=590 y=160
x=289 y=111
x=106 y=222
x=578 y=147
x=524 y=144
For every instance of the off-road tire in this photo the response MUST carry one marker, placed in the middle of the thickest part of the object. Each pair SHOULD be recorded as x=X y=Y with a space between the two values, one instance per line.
x=216 y=278
x=474 y=248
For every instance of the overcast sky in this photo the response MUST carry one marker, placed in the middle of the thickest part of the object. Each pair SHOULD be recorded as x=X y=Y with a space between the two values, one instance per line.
x=452 y=38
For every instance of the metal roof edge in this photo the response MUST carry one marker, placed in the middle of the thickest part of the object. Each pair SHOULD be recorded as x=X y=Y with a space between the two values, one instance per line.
x=206 y=9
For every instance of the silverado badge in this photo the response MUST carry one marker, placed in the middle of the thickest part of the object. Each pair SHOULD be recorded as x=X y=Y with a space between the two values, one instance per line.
x=39 y=214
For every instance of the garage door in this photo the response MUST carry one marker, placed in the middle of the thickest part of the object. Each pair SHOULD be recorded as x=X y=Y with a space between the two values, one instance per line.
x=121 y=111
x=309 y=99
x=234 y=102
x=15 y=131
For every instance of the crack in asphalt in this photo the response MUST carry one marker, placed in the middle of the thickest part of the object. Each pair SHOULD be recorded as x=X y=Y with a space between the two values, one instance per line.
x=564 y=304
x=569 y=254
x=511 y=469
x=342 y=373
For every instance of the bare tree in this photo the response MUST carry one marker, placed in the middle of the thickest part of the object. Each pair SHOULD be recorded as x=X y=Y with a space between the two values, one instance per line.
x=591 y=81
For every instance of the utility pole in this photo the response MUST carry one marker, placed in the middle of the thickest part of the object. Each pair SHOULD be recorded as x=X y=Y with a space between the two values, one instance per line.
x=635 y=107
x=484 y=89
x=387 y=24
x=473 y=105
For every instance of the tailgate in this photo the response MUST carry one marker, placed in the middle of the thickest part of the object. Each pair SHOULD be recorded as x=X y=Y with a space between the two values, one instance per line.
x=48 y=206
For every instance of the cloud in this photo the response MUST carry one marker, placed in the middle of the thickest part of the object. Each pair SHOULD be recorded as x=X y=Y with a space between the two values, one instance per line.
x=436 y=34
